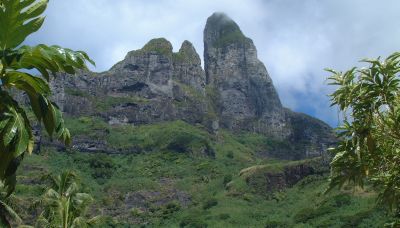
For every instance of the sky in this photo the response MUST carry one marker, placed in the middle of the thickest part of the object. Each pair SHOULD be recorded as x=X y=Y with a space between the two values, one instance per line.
x=295 y=39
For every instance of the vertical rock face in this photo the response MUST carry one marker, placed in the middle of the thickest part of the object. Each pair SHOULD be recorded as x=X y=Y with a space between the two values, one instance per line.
x=150 y=67
x=246 y=94
x=150 y=85
x=234 y=92
x=187 y=67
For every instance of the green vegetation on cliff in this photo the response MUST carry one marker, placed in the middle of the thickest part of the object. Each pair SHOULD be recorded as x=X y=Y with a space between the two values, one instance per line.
x=159 y=45
x=229 y=31
x=230 y=36
x=187 y=53
x=171 y=181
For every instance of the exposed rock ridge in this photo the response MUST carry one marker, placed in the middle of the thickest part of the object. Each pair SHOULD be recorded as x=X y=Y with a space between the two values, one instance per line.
x=247 y=96
x=235 y=91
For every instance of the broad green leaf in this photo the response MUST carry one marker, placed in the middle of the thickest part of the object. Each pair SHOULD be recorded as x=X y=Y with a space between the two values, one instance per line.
x=10 y=212
x=15 y=137
x=34 y=10
x=51 y=116
x=19 y=19
x=26 y=82
x=50 y=58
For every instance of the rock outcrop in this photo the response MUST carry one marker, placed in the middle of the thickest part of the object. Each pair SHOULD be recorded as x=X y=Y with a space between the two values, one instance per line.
x=247 y=98
x=267 y=179
x=150 y=85
x=234 y=92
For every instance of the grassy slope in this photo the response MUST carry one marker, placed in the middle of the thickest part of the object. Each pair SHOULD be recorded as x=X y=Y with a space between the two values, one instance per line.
x=219 y=196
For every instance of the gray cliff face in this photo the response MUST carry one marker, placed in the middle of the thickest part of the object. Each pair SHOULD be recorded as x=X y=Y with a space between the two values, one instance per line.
x=247 y=96
x=234 y=92
x=187 y=67
x=150 y=85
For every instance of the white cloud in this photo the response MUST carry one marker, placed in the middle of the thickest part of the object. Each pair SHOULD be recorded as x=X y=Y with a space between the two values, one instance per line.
x=295 y=39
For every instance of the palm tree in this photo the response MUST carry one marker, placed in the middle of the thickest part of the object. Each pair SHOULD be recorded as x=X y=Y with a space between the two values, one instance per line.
x=64 y=206
x=19 y=19
x=7 y=213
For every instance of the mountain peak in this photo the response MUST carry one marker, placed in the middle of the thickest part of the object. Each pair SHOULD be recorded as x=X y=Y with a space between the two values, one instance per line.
x=186 y=45
x=160 y=45
x=233 y=92
x=188 y=53
x=221 y=30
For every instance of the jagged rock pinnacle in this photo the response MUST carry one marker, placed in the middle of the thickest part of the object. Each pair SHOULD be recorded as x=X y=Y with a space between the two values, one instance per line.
x=221 y=30
x=240 y=79
x=234 y=92
x=160 y=45
x=188 y=53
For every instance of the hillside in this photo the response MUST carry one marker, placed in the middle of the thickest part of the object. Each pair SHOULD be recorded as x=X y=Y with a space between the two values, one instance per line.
x=177 y=182
x=160 y=142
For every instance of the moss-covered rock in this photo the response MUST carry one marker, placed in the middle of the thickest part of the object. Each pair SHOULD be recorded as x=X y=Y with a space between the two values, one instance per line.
x=153 y=85
x=159 y=45
x=187 y=53
x=225 y=30
x=266 y=179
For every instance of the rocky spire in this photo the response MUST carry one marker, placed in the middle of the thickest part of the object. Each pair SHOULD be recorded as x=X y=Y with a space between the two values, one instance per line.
x=221 y=31
x=187 y=67
x=241 y=80
x=154 y=84
x=187 y=52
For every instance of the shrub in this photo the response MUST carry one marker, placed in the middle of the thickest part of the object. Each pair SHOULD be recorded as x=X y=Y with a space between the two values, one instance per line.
x=355 y=220
x=171 y=207
x=210 y=203
x=248 y=197
x=303 y=215
x=102 y=166
x=85 y=120
x=342 y=200
x=230 y=155
x=192 y=222
x=224 y=216
x=227 y=179
x=136 y=212
x=181 y=143
x=165 y=211
x=275 y=224
x=369 y=133
x=307 y=214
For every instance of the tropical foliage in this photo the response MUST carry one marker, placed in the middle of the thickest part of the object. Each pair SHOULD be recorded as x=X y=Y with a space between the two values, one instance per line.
x=19 y=19
x=64 y=205
x=369 y=149
x=7 y=213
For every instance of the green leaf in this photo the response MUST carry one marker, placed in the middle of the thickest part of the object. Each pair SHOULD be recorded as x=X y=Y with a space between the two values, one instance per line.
x=15 y=136
x=48 y=115
x=368 y=144
x=26 y=82
x=10 y=212
x=49 y=58
x=19 y=19
x=34 y=10
x=51 y=116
